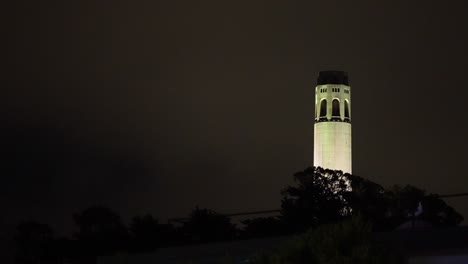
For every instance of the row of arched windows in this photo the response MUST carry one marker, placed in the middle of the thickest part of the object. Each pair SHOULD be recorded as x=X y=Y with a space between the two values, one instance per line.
x=335 y=108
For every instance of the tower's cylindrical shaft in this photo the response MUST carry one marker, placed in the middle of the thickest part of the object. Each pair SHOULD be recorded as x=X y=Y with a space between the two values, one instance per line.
x=332 y=128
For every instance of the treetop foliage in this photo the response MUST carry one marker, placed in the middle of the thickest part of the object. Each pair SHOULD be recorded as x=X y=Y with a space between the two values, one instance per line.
x=326 y=196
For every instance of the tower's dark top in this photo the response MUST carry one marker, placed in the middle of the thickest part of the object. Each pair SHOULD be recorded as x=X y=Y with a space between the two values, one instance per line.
x=332 y=77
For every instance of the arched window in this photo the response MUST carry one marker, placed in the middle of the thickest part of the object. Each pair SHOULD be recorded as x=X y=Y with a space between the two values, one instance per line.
x=346 y=109
x=335 y=108
x=323 y=108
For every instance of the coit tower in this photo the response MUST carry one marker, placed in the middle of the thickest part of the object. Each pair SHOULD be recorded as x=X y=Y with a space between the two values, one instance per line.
x=332 y=128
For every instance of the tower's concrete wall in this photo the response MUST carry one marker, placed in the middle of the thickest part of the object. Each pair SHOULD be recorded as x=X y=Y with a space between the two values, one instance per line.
x=332 y=146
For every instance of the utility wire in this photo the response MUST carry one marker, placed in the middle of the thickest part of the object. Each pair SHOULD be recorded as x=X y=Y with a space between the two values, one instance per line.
x=183 y=219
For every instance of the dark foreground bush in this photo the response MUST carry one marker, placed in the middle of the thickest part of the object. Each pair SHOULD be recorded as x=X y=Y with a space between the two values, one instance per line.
x=349 y=241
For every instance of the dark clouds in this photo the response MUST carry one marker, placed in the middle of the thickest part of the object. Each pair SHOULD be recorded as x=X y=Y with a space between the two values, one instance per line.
x=157 y=107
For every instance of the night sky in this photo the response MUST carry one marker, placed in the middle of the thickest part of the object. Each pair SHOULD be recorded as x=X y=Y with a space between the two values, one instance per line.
x=151 y=107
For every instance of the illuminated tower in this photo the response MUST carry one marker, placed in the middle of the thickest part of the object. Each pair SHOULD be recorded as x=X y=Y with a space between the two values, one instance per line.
x=332 y=128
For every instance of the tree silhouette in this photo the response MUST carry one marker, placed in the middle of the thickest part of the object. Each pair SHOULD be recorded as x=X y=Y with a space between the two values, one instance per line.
x=102 y=230
x=325 y=196
x=409 y=202
x=318 y=198
x=149 y=234
x=371 y=200
x=33 y=241
x=205 y=225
